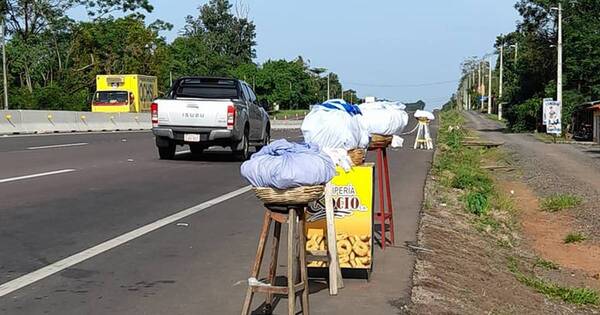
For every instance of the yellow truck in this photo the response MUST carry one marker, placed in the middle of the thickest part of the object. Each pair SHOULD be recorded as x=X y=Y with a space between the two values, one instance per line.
x=124 y=93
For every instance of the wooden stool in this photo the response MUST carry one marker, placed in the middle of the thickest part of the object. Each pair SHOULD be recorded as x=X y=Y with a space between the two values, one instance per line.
x=329 y=255
x=385 y=214
x=293 y=216
x=423 y=139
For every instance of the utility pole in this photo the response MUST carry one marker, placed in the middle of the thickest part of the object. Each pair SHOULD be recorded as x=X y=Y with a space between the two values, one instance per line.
x=483 y=85
x=501 y=81
x=516 y=47
x=559 y=69
x=479 y=83
x=469 y=87
x=489 y=110
x=2 y=26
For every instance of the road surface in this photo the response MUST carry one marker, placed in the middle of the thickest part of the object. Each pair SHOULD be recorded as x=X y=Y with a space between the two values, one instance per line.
x=81 y=230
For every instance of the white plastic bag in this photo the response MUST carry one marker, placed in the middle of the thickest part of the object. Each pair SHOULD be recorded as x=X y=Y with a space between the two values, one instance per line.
x=424 y=114
x=283 y=165
x=384 y=118
x=335 y=124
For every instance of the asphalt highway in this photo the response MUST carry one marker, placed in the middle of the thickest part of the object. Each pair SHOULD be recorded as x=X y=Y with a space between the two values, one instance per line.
x=97 y=224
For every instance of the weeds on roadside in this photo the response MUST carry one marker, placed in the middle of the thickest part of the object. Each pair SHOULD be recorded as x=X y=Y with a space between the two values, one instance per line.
x=560 y=202
x=574 y=237
x=546 y=264
x=470 y=178
x=580 y=296
x=477 y=203
x=486 y=222
x=459 y=166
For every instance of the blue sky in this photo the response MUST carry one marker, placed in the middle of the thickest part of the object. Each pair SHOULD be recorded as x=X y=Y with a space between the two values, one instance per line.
x=372 y=43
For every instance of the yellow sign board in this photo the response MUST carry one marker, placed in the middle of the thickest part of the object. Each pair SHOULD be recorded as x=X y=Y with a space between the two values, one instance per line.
x=352 y=195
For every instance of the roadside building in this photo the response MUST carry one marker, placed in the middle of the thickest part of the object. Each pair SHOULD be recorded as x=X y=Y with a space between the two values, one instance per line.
x=596 y=110
x=586 y=122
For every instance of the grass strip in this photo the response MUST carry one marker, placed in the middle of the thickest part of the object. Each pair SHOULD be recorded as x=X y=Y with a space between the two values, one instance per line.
x=560 y=202
x=579 y=296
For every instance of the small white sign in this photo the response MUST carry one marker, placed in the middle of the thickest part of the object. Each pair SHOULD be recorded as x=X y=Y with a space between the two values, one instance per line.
x=554 y=116
x=544 y=110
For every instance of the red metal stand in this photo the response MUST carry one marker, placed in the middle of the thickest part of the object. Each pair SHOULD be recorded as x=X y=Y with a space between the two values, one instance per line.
x=385 y=214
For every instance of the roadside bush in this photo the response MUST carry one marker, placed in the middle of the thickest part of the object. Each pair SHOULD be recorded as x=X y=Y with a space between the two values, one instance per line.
x=477 y=203
x=51 y=97
x=470 y=179
x=524 y=117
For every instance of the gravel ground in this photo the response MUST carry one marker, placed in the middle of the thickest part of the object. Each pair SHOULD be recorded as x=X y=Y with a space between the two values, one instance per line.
x=553 y=169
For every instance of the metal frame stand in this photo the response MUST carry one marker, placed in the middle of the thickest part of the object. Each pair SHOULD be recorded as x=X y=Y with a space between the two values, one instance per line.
x=386 y=212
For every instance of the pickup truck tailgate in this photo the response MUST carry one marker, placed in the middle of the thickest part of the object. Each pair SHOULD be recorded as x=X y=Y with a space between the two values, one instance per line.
x=193 y=112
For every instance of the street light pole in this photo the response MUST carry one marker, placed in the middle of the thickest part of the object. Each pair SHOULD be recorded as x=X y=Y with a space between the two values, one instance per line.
x=470 y=89
x=490 y=88
x=5 y=80
x=479 y=83
x=501 y=81
x=559 y=85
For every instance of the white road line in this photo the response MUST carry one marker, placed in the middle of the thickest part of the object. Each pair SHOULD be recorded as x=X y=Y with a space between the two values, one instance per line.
x=12 y=179
x=58 y=146
x=70 y=261
x=183 y=152
x=52 y=134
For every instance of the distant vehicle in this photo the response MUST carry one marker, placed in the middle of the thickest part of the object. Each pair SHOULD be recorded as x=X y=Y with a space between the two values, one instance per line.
x=124 y=93
x=205 y=111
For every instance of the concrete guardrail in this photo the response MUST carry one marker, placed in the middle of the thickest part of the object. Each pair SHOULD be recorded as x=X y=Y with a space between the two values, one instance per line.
x=40 y=121
x=285 y=124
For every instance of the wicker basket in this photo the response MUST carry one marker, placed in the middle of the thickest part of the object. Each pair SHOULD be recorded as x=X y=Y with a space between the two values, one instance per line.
x=380 y=141
x=357 y=156
x=292 y=196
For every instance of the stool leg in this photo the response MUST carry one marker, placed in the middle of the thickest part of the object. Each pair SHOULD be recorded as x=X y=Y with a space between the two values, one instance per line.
x=303 y=271
x=388 y=191
x=273 y=266
x=290 y=262
x=260 y=252
x=418 y=136
x=381 y=198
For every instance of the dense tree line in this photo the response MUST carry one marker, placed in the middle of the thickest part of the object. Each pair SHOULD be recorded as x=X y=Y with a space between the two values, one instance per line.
x=531 y=76
x=53 y=59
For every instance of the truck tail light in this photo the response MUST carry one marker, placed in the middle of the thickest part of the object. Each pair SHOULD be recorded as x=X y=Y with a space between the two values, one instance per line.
x=230 y=116
x=154 y=114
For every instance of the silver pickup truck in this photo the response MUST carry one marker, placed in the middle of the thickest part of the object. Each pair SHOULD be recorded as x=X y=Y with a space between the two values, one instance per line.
x=203 y=112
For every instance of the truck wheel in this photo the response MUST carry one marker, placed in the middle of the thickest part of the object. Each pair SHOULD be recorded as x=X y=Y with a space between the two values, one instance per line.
x=266 y=140
x=167 y=152
x=243 y=154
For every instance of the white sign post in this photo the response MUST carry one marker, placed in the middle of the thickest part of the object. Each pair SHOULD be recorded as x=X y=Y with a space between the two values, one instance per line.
x=544 y=109
x=554 y=116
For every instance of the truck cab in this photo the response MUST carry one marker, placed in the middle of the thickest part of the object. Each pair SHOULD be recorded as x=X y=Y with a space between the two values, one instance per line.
x=131 y=93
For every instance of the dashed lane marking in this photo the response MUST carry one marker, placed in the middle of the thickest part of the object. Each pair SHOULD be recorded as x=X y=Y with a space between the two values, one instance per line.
x=13 y=179
x=32 y=277
x=58 y=146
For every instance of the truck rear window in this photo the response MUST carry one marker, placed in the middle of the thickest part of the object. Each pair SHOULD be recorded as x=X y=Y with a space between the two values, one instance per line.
x=206 y=88
x=109 y=97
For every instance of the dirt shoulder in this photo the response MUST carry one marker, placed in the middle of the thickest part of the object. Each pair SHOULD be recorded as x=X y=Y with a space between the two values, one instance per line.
x=487 y=245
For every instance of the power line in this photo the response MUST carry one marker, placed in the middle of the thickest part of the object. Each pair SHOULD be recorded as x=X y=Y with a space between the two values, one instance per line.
x=402 y=85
